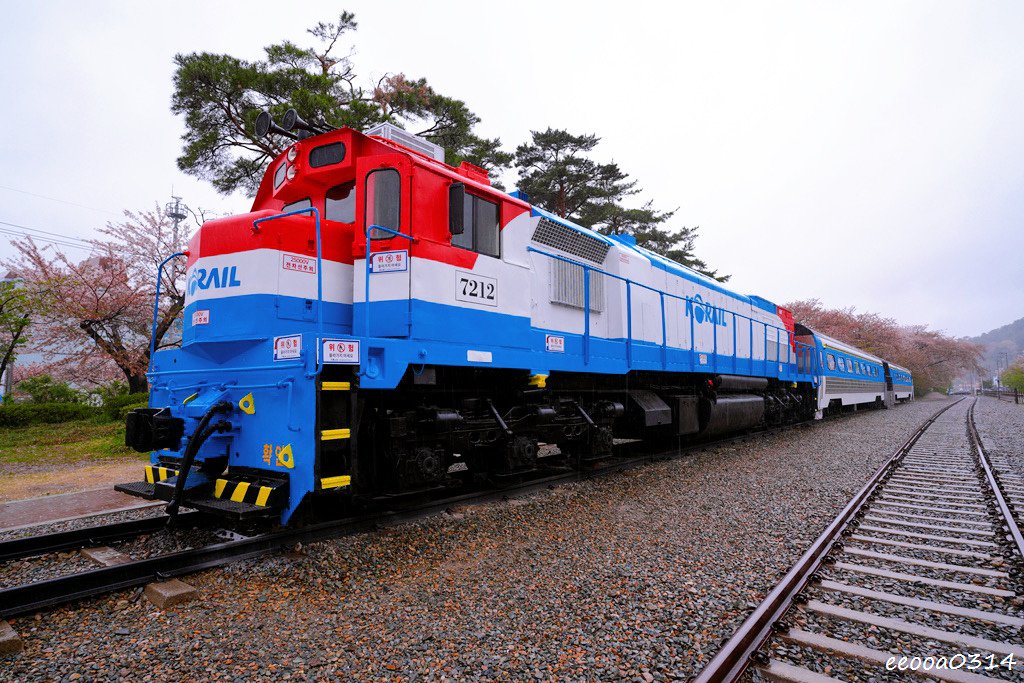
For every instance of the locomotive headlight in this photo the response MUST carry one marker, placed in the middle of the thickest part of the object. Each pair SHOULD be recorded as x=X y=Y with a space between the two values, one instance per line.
x=292 y=153
x=291 y=173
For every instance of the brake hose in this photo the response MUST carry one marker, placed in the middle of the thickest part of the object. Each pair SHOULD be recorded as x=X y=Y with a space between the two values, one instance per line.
x=200 y=435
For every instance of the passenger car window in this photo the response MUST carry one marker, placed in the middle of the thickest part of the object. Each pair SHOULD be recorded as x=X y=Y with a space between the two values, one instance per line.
x=383 y=201
x=480 y=227
x=831 y=362
x=340 y=203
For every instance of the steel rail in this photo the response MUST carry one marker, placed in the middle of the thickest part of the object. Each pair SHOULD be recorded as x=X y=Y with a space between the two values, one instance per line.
x=28 y=598
x=735 y=656
x=30 y=546
x=993 y=482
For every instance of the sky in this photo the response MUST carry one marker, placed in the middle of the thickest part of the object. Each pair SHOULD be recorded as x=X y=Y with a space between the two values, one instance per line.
x=869 y=154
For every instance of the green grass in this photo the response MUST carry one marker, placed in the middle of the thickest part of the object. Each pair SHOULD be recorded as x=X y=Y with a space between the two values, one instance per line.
x=64 y=443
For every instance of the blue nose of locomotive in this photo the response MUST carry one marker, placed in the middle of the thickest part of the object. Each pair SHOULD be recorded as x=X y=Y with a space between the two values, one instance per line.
x=228 y=425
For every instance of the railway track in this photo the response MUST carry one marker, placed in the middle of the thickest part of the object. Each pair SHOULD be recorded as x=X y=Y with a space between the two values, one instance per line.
x=31 y=546
x=919 y=577
x=32 y=597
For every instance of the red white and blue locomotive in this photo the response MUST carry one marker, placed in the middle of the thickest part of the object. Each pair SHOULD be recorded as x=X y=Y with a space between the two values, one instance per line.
x=384 y=324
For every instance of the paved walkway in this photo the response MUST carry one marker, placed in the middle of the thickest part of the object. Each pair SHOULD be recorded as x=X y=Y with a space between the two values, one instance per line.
x=63 y=506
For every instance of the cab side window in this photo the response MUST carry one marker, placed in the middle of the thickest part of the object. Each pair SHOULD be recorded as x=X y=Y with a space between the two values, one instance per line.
x=301 y=204
x=480 y=227
x=340 y=203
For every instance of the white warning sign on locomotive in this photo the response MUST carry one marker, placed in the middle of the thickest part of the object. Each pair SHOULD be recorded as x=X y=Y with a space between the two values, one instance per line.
x=476 y=289
x=288 y=348
x=389 y=261
x=554 y=343
x=201 y=317
x=339 y=351
x=300 y=264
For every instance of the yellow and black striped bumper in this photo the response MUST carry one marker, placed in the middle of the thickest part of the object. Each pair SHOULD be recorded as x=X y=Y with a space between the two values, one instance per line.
x=241 y=491
x=155 y=473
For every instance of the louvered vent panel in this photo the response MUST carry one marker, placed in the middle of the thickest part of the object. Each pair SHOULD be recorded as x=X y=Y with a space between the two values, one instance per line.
x=567 y=286
x=571 y=242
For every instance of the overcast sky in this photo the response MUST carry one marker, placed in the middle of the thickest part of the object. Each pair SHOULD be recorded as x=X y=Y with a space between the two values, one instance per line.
x=868 y=154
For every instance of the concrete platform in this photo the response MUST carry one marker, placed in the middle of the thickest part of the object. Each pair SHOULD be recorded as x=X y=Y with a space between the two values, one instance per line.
x=63 y=506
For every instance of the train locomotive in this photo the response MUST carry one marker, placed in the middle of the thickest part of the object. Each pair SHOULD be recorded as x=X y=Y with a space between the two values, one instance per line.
x=383 y=325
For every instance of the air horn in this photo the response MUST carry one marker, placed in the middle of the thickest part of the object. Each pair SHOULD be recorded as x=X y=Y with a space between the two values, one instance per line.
x=292 y=120
x=265 y=124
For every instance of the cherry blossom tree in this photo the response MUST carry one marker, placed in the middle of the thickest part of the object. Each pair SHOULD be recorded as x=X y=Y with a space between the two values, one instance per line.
x=96 y=313
x=935 y=359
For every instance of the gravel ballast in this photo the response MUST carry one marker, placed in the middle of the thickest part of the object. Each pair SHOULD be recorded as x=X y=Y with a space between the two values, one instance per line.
x=636 y=576
x=1001 y=427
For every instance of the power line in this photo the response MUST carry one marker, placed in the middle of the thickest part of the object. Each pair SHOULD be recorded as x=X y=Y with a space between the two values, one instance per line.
x=45 y=232
x=61 y=201
x=51 y=240
x=45 y=235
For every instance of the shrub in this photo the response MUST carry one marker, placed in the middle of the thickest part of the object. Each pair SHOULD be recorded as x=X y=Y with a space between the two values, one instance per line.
x=22 y=414
x=43 y=389
x=111 y=390
x=114 y=407
x=123 y=412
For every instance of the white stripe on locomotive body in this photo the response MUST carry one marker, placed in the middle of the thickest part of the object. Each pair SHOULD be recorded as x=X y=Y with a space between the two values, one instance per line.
x=523 y=289
x=260 y=271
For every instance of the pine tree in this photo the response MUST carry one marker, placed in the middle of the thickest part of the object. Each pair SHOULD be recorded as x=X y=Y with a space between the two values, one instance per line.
x=220 y=97
x=557 y=173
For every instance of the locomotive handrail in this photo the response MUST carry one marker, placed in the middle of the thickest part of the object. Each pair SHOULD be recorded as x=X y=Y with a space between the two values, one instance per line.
x=664 y=340
x=156 y=303
x=366 y=268
x=319 y=260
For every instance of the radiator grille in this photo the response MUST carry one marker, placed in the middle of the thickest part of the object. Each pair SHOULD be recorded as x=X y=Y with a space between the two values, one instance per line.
x=841 y=385
x=567 y=286
x=570 y=241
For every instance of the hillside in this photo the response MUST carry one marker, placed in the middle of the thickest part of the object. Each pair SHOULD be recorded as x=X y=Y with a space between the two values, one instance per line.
x=1008 y=339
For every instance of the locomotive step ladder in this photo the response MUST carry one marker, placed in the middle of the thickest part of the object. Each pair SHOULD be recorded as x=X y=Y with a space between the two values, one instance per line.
x=336 y=406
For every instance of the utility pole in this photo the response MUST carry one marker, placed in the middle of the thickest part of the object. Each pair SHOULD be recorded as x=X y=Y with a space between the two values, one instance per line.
x=178 y=211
